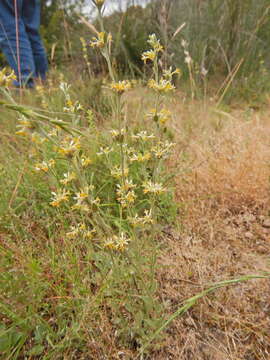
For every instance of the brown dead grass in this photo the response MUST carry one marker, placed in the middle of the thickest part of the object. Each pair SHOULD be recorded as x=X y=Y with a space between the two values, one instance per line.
x=224 y=192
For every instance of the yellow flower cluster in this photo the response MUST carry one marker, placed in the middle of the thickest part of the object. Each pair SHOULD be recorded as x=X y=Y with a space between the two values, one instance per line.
x=161 y=86
x=85 y=161
x=44 y=166
x=162 y=149
x=84 y=198
x=149 y=55
x=6 y=78
x=99 y=41
x=154 y=188
x=121 y=86
x=59 y=197
x=155 y=42
x=118 y=243
x=137 y=221
x=83 y=194
x=156 y=48
x=72 y=107
x=162 y=116
x=140 y=157
x=142 y=136
x=81 y=230
x=69 y=146
x=99 y=3
x=104 y=151
x=168 y=74
x=125 y=193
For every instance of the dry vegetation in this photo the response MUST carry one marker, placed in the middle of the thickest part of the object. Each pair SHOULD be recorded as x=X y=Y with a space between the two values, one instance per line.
x=225 y=232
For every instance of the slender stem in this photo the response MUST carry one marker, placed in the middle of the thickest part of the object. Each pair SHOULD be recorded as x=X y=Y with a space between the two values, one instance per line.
x=193 y=300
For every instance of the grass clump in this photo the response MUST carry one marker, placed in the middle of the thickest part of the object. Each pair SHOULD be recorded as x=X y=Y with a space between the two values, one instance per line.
x=94 y=202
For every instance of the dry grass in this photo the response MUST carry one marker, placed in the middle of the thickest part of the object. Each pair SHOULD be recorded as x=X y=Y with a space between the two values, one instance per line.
x=224 y=192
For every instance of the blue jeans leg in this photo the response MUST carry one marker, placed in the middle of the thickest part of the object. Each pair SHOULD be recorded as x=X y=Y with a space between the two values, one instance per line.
x=31 y=19
x=31 y=51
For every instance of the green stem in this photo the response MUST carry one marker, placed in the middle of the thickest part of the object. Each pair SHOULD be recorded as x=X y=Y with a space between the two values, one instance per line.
x=193 y=300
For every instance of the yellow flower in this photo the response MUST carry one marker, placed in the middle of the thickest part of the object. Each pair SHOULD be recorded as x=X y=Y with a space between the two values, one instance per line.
x=168 y=74
x=155 y=43
x=118 y=243
x=99 y=41
x=27 y=123
x=5 y=78
x=142 y=136
x=125 y=195
x=82 y=226
x=83 y=194
x=85 y=161
x=80 y=230
x=162 y=86
x=148 y=219
x=53 y=133
x=99 y=3
x=42 y=167
x=45 y=166
x=149 y=55
x=68 y=177
x=121 y=242
x=140 y=157
x=71 y=106
x=104 y=151
x=120 y=86
x=96 y=201
x=161 y=150
x=162 y=116
x=109 y=243
x=127 y=185
x=141 y=221
x=89 y=234
x=61 y=196
x=69 y=146
x=154 y=188
x=22 y=132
